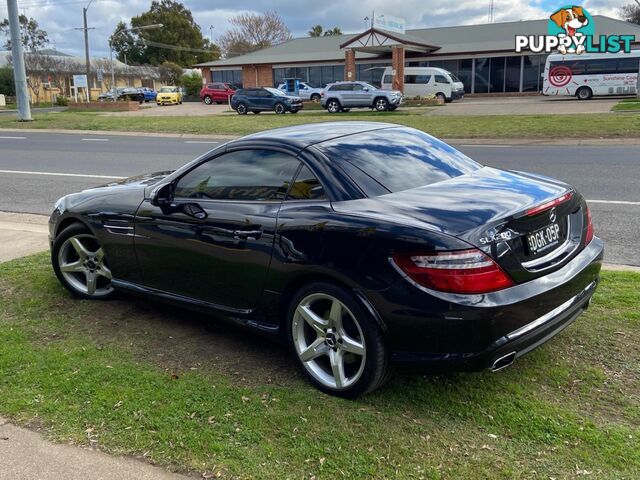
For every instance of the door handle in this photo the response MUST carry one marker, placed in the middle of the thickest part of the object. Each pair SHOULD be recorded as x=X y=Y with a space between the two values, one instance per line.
x=247 y=234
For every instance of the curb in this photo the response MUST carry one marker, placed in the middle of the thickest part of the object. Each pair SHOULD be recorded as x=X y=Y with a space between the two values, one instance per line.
x=120 y=133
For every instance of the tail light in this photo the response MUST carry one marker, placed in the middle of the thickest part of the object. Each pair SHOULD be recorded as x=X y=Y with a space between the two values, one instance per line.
x=589 y=236
x=322 y=94
x=550 y=204
x=460 y=271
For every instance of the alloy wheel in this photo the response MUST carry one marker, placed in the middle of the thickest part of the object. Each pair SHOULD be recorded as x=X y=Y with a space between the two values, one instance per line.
x=279 y=108
x=241 y=109
x=381 y=104
x=329 y=341
x=333 y=106
x=207 y=100
x=83 y=265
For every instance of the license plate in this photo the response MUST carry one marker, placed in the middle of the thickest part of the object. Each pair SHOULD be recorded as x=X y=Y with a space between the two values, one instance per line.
x=544 y=239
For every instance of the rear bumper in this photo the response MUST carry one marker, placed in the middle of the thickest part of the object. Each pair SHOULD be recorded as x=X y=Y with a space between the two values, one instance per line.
x=447 y=332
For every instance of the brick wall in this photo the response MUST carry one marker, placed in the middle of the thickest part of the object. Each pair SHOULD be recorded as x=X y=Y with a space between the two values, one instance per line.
x=257 y=76
x=206 y=74
x=397 y=64
x=349 y=65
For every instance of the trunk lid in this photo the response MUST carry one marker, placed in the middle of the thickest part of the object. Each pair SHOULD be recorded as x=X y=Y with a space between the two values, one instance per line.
x=489 y=210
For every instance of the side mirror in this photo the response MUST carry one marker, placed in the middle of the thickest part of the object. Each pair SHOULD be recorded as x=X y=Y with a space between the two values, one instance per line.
x=366 y=89
x=162 y=195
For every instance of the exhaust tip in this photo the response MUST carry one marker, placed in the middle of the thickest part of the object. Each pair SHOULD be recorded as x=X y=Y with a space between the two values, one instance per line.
x=503 y=362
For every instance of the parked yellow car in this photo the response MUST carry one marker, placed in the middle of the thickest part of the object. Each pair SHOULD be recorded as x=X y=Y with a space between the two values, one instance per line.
x=169 y=95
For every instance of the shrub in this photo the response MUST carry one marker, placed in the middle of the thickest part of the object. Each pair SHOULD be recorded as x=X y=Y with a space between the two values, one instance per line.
x=7 y=85
x=62 y=101
x=192 y=83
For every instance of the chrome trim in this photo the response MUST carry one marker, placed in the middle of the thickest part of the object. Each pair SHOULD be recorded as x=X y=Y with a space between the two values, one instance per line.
x=551 y=315
x=493 y=367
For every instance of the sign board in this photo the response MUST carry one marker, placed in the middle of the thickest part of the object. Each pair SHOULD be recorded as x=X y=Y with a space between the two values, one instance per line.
x=389 y=23
x=100 y=75
x=80 y=81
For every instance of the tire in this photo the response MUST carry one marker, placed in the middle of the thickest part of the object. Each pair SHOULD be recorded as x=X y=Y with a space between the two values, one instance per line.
x=279 y=108
x=441 y=97
x=241 y=108
x=381 y=104
x=333 y=106
x=315 y=97
x=80 y=264
x=584 y=93
x=333 y=337
x=207 y=100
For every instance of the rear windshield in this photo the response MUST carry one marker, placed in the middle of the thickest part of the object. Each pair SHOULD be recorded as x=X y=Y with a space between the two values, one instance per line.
x=396 y=159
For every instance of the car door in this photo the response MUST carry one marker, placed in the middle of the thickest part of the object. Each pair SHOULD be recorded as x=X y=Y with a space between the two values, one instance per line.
x=360 y=96
x=212 y=240
x=443 y=85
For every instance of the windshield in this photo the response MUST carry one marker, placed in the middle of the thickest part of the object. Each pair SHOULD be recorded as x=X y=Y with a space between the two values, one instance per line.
x=454 y=78
x=275 y=91
x=168 y=89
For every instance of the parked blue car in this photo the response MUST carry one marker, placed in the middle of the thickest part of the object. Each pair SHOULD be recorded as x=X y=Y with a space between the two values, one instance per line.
x=149 y=94
x=257 y=100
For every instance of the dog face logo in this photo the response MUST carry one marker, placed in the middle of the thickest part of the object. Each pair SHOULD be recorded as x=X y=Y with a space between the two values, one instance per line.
x=570 y=22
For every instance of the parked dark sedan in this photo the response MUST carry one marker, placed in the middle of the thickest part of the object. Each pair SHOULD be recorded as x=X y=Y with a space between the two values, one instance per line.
x=258 y=100
x=361 y=245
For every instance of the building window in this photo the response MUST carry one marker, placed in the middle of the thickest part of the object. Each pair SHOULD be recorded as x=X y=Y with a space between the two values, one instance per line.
x=531 y=73
x=278 y=76
x=512 y=74
x=496 y=75
x=315 y=77
x=465 y=72
x=227 y=76
x=483 y=66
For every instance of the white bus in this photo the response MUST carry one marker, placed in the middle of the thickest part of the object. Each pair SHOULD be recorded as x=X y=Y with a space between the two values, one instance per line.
x=591 y=74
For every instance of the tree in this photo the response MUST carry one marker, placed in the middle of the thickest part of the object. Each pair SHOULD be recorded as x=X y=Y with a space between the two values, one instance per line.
x=333 y=31
x=33 y=37
x=192 y=83
x=179 y=41
x=316 y=31
x=170 y=73
x=7 y=85
x=252 y=31
x=631 y=13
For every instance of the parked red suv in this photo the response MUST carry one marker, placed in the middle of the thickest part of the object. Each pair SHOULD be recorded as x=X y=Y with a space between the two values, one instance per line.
x=217 y=92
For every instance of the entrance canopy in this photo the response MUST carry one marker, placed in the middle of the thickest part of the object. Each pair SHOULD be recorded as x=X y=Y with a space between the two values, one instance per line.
x=381 y=42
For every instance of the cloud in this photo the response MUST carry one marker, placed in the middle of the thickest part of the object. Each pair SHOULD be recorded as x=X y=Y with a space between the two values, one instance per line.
x=61 y=17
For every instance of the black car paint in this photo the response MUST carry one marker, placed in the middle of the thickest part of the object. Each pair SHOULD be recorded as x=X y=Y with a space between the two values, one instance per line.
x=349 y=240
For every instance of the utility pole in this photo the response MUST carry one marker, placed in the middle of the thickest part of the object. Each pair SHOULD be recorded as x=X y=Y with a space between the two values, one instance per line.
x=17 y=55
x=86 y=52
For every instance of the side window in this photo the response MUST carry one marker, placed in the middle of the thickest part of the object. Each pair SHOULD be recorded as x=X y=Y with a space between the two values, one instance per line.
x=441 y=79
x=356 y=87
x=306 y=187
x=242 y=175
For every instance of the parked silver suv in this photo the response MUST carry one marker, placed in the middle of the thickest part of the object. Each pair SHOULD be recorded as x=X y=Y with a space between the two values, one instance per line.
x=342 y=96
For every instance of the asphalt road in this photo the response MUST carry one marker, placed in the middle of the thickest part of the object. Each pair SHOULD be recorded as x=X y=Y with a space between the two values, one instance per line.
x=38 y=168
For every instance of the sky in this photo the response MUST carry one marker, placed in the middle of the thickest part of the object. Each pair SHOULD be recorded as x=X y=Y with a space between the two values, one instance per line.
x=60 y=17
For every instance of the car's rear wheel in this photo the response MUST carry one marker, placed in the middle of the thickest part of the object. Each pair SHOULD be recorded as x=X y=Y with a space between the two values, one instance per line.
x=381 y=104
x=80 y=263
x=333 y=106
x=279 y=108
x=584 y=93
x=241 y=108
x=208 y=100
x=315 y=97
x=337 y=342
x=441 y=97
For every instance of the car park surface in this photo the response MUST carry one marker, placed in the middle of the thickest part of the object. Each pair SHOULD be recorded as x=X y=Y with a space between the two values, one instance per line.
x=508 y=304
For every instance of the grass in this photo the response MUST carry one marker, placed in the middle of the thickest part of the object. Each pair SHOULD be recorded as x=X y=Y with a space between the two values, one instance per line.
x=627 y=104
x=182 y=390
x=491 y=126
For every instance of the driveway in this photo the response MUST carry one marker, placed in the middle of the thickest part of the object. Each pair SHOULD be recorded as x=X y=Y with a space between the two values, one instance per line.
x=533 y=105
x=187 y=109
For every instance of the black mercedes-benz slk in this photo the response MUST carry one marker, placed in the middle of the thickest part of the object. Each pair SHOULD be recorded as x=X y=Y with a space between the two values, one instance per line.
x=361 y=245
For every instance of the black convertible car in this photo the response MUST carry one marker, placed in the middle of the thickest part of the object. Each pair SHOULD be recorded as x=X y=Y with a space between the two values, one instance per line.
x=362 y=245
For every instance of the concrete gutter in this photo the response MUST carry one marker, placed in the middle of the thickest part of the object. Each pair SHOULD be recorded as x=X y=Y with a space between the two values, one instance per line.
x=622 y=141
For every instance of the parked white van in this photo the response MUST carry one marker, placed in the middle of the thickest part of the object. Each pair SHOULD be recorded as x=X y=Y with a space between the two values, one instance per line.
x=425 y=81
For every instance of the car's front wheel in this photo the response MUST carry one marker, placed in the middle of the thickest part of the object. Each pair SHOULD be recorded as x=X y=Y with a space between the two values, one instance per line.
x=381 y=104
x=279 y=108
x=315 y=97
x=338 y=343
x=80 y=263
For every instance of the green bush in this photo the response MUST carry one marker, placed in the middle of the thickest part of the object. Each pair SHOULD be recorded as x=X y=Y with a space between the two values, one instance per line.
x=192 y=84
x=7 y=85
x=62 y=101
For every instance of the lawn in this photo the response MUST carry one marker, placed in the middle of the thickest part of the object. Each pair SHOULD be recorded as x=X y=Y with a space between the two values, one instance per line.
x=627 y=105
x=491 y=126
x=183 y=390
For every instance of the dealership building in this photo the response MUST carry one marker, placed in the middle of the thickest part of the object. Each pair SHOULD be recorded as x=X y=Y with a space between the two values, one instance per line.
x=482 y=56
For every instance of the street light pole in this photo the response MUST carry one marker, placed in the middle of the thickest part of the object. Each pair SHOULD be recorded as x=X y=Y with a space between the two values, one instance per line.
x=86 y=51
x=17 y=55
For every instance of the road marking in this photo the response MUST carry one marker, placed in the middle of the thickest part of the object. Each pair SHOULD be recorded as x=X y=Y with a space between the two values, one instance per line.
x=55 y=174
x=614 y=202
x=487 y=146
x=199 y=141
x=13 y=138
x=95 y=139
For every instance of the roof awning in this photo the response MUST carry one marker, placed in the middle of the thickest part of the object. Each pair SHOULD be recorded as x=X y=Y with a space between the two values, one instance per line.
x=380 y=41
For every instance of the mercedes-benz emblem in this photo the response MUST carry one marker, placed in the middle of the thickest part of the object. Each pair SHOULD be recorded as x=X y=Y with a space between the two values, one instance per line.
x=552 y=214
